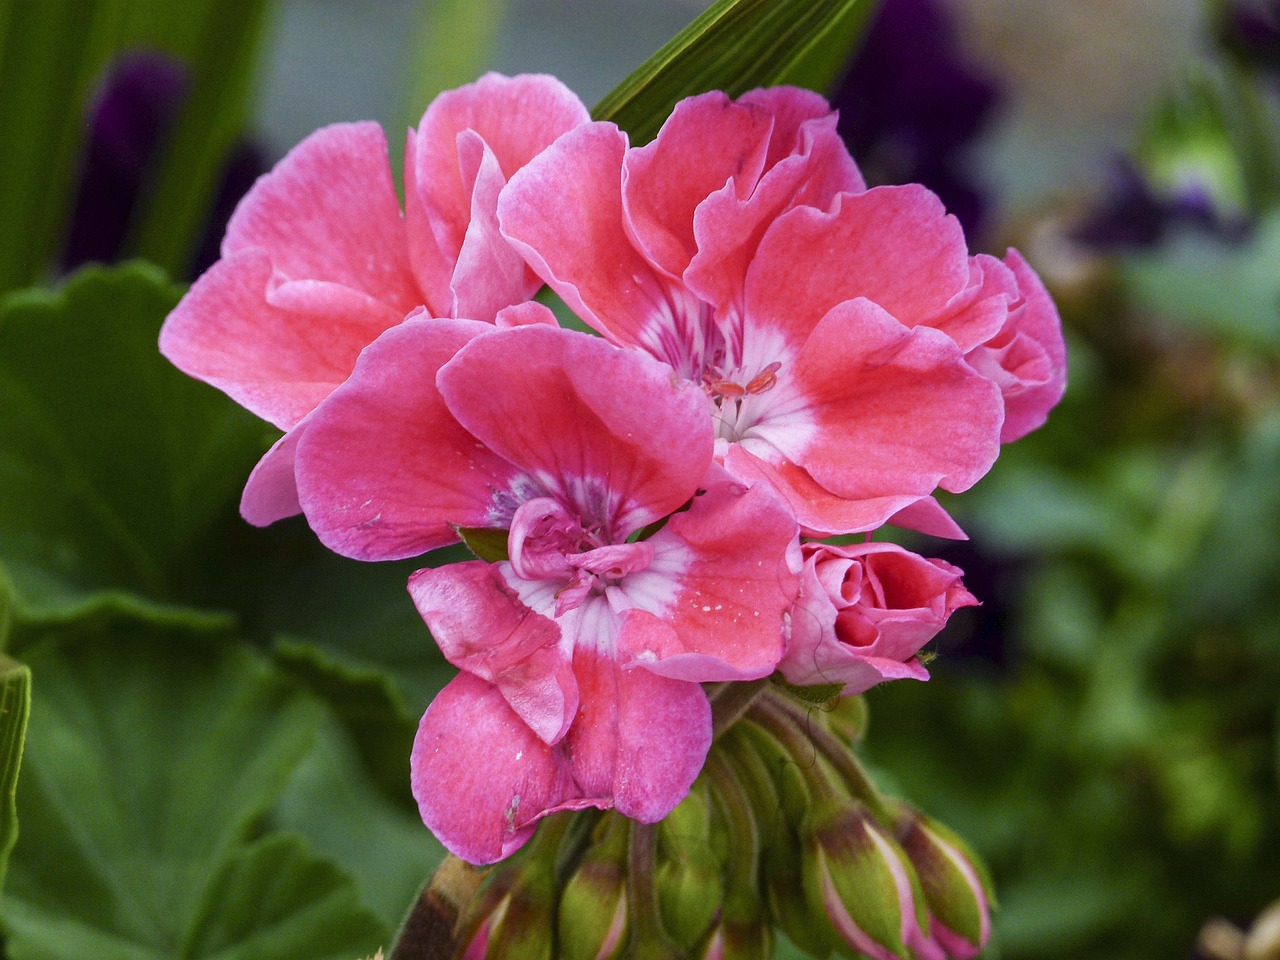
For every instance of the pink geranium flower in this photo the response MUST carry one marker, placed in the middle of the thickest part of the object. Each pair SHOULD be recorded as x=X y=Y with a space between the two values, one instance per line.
x=864 y=613
x=318 y=259
x=829 y=326
x=582 y=654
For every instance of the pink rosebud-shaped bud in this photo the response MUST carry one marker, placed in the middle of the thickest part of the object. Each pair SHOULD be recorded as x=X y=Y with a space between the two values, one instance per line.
x=956 y=888
x=864 y=612
x=857 y=877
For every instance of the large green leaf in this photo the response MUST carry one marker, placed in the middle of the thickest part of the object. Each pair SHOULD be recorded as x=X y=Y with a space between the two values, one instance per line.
x=151 y=760
x=734 y=46
x=116 y=470
x=15 y=704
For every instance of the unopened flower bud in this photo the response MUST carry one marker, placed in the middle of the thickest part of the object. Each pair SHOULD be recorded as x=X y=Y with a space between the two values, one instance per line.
x=956 y=888
x=593 y=906
x=857 y=877
x=689 y=877
x=739 y=941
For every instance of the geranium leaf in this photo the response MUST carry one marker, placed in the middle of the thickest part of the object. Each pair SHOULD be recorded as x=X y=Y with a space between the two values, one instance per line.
x=116 y=470
x=15 y=705
x=152 y=758
x=735 y=46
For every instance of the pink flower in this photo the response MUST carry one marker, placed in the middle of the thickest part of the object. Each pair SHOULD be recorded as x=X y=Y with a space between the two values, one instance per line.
x=583 y=653
x=826 y=324
x=864 y=613
x=318 y=259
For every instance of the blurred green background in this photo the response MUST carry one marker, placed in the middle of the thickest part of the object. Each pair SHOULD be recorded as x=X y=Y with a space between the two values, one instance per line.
x=216 y=759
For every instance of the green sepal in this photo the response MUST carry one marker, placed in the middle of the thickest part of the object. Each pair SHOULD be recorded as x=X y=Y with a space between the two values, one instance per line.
x=818 y=695
x=486 y=543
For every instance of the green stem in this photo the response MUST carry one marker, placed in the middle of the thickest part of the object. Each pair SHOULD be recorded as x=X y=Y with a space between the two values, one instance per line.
x=732 y=798
x=841 y=758
x=649 y=940
x=731 y=700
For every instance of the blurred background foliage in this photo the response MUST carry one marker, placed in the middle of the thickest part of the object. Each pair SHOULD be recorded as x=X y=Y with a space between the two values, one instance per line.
x=215 y=764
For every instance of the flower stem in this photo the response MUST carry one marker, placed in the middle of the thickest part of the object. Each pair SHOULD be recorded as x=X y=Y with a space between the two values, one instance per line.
x=649 y=939
x=731 y=700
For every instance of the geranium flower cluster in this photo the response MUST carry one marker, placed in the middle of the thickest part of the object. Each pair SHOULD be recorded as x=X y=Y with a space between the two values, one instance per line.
x=783 y=356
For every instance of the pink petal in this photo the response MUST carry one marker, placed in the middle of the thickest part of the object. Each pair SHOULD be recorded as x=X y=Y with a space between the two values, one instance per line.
x=329 y=212
x=927 y=516
x=708 y=142
x=277 y=350
x=563 y=211
x=893 y=410
x=892 y=245
x=607 y=429
x=524 y=314
x=384 y=471
x=271 y=493
x=734 y=557
x=481 y=777
x=638 y=738
x=482 y=628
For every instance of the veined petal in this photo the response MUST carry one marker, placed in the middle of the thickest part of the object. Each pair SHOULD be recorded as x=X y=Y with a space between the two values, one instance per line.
x=716 y=595
x=709 y=142
x=894 y=246
x=277 y=350
x=563 y=211
x=638 y=738
x=609 y=430
x=892 y=410
x=481 y=776
x=384 y=470
x=483 y=628
x=328 y=211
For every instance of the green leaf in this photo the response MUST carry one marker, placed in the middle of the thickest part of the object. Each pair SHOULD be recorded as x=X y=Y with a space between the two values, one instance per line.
x=735 y=46
x=152 y=757
x=15 y=705
x=50 y=54
x=116 y=470
x=332 y=802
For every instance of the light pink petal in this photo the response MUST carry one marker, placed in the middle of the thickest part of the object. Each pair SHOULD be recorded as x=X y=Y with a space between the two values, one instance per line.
x=894 y=246
x=563 y=211
x=481 y=777
x=819 y=512
x=607 y=429
x=432 y=265
x=271 y=493
x=795 y=112
x=515 y=117
x=483 y=628
x=927 y=516
x=490 y=274
x=734 y=558
x=277 y=350
x=1035 y=319
x=524 y=314
x=384 y=470
x=892 y=410
x=328 y=211
x=638 y=738
x=708 y=142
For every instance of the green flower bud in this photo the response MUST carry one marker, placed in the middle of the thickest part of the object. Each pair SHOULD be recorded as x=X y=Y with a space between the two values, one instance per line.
x=593 y=907
x=956 y=888
x=689 y=877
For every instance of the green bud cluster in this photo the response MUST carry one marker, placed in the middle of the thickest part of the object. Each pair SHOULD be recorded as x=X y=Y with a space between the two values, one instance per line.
x=783 y=831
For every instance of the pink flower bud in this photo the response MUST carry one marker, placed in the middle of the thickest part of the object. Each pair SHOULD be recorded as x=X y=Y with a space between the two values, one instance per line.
x=865 y=611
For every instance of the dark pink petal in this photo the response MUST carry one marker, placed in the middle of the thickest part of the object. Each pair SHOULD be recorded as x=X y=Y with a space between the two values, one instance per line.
x=708 y=142
x=611 y=431
x=892 y=411
x=563 y=211
x=481 y=777
x=894 y=246
x=927 y=516
x=483 y=628
x=277 y=350
x=271 y=493
x=638 y=738
x=329 y=212
x=734 y=558
x=384 y=470
x=795 y=112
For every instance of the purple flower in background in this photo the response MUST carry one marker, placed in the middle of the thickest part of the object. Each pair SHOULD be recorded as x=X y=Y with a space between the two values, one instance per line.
x=128 y=125
x=911 y=103
x=1252 y=28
